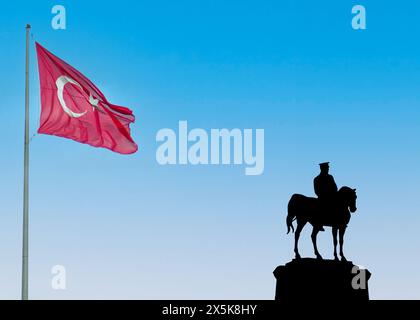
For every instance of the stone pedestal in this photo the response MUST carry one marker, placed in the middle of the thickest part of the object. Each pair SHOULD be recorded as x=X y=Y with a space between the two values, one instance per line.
x=312 y=279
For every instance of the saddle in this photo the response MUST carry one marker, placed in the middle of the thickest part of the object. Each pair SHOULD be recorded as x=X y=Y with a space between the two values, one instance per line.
x=327 y=213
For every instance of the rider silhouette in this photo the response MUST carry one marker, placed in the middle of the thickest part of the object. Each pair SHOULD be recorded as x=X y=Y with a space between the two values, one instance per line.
x=325 y=188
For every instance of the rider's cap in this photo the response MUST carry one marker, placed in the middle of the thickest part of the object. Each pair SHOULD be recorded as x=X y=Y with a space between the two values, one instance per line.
x=324 y=164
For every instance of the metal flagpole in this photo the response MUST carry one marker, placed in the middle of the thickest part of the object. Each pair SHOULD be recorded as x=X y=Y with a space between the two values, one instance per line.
x=26 y=177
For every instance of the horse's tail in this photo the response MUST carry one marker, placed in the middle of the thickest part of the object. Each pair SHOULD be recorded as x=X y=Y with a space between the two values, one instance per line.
x=290 y=216
x=289 y=223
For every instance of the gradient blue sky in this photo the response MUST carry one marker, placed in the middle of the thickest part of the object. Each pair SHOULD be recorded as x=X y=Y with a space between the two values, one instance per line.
x=126 y=228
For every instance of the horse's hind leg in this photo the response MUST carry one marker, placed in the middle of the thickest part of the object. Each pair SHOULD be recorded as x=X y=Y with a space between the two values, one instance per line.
x=334 y=233
x=341 y=235
x=300 y=225
x=313 y=236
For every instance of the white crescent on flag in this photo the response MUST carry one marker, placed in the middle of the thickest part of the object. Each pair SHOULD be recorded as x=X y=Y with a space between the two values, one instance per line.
x=61 y=82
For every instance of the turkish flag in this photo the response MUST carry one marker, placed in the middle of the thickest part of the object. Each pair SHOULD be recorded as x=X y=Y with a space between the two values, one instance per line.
x=74 y=108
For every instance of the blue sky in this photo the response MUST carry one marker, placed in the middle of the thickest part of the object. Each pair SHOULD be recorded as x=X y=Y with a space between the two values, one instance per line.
x=127 y=228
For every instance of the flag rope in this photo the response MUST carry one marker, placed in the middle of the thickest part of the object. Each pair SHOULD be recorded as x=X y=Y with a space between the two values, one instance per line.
x=38 y=98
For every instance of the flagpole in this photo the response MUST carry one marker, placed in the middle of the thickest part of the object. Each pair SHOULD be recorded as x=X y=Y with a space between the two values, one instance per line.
x=26 y=177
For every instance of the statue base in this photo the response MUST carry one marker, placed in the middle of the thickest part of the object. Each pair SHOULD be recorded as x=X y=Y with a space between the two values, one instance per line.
x=313 y=279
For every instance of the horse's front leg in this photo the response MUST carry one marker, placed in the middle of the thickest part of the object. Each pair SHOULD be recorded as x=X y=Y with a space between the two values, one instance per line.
x=341 y=235
x=334 y=233
x=313 y=236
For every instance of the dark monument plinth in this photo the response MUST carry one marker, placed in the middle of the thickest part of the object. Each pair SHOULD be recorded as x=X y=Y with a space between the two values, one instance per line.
x=314 y=279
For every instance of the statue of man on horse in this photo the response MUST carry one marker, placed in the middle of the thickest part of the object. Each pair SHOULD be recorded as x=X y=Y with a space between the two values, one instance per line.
x=325 y=188
x=332 y=208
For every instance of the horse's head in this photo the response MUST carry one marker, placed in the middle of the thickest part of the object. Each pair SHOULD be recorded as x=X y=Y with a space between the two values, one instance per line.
x=349 y=198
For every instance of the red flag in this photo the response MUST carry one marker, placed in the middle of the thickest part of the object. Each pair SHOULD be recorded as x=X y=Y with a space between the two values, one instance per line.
x=74 y=108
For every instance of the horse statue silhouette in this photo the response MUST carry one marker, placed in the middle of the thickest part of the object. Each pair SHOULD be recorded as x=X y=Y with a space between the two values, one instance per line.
x=305 y=209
